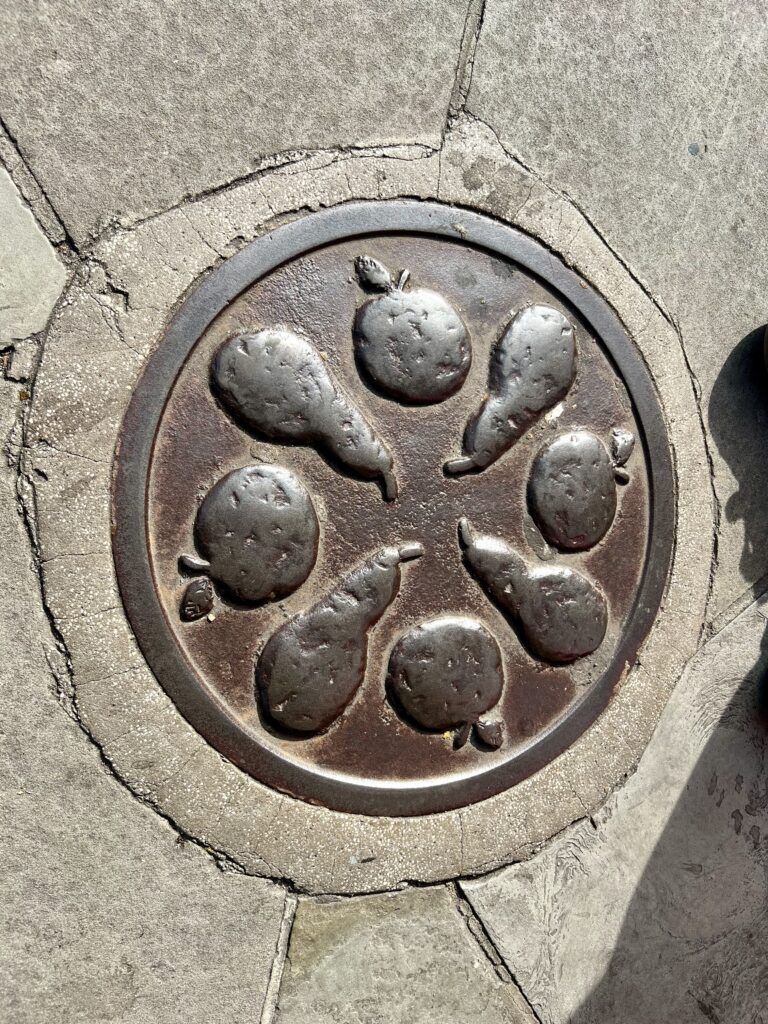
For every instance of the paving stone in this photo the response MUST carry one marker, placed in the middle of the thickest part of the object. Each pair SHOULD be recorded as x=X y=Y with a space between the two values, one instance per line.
x=127 y=112
x=406 y=957
x=31 y=275
x=650 y=117
x=656 y=910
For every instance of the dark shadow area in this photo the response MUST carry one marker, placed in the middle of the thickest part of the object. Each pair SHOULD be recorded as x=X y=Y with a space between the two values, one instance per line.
x=738 y=422
x=693 y=945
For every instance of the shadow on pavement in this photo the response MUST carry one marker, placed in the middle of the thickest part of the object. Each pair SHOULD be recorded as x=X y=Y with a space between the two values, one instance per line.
x=693 y=946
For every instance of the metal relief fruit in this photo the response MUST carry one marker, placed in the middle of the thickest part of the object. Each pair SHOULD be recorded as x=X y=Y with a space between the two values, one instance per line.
x=572 y=488
x=445 y=674
x=277 y=383
x=532 y=367
x=411 y=343
x=257 y=533
x=312 y=667
x=562 y=615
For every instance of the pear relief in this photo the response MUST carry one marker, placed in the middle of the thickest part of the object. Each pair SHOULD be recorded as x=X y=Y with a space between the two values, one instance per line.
x=313 y=666
x=276 y=382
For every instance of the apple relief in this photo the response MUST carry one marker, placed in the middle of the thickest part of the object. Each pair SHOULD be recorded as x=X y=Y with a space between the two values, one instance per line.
x=409 y=342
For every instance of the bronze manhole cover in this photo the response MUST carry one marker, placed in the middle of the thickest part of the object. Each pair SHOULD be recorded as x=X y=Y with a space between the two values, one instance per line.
x=393 y=507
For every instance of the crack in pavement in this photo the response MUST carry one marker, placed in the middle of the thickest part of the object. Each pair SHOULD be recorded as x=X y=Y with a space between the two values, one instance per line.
x=488 y=946
x=462 y=82
x=59 y=237
x=270 y=1006
x=402 y=151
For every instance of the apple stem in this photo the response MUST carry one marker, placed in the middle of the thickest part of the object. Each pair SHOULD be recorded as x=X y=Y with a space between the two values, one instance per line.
x=193 y=564
x=402 y=281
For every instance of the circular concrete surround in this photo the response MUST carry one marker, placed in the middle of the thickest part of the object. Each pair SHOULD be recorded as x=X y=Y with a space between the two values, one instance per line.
x=109 y=322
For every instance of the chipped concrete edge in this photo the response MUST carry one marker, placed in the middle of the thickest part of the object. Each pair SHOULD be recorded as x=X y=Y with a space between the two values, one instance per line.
x=107 y=322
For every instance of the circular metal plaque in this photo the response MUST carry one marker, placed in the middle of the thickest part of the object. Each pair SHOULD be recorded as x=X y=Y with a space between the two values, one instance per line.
x=393 y=507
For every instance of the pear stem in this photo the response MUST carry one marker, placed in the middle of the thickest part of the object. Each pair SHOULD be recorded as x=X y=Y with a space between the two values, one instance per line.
x=466 y=532
x=389 y=486
x=410 y=550
x=457 y=466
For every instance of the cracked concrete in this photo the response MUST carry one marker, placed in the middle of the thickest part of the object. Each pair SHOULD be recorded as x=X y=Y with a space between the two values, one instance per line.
x=657 y=909
x=109 y=913
x=384 y=959
x=140 y=904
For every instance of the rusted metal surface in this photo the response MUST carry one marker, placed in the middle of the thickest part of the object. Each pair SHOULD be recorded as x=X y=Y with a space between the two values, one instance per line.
x=458 y=484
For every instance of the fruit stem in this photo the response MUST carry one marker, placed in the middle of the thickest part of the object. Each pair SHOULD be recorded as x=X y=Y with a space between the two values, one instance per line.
x=193 y=564
x=412 y=549
x=402 y=281
x=466 y=532
x=390 y=486
x=461 y=465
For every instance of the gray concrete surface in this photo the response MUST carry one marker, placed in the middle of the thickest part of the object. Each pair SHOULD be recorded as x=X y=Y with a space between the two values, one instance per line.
x=108 y=913
x=127 y=109
x=629 y=139
x=31 y=276
x=386 y=959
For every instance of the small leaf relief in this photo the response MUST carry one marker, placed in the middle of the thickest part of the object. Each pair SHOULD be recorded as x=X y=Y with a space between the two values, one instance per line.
x=622 y=446
x=197 y=601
